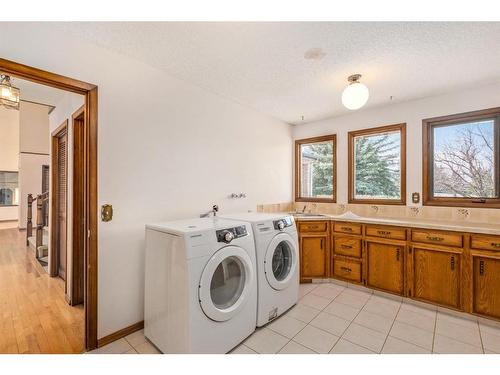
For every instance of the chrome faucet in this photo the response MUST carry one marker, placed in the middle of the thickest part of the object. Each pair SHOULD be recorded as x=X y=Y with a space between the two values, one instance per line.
x=213 y=211
x=304 y=209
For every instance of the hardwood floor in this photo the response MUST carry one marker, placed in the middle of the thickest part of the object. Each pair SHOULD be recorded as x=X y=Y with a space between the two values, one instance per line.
x=34 y=316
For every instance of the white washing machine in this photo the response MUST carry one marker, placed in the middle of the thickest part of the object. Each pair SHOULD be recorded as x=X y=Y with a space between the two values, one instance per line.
x=277 y=251
x=200 y=285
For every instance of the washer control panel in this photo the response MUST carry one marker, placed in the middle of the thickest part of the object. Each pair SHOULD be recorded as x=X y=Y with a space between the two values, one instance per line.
x=283 y=223
x=229 y=234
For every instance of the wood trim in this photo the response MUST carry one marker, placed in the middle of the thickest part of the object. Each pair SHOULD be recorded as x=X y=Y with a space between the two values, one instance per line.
x=78 y=125
x=370 y=131
x=298 y=143
x=43 y=77
x=120 y=334
x=61 y=130
x=91 y=103
x=427 y=159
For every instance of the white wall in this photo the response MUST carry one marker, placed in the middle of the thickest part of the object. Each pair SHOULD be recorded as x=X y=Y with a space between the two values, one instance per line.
x=9 y=152
x=33 y=154
x=167 y=150
x=410 y=112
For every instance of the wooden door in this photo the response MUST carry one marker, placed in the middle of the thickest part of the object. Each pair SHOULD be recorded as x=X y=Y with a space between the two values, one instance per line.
x=59 y=200
x=314 y=256
x=436 y=276
x=486 y=283
x=385 y=266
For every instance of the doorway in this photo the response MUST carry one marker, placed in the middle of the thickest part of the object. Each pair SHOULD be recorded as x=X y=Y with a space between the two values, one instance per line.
x=89 y=193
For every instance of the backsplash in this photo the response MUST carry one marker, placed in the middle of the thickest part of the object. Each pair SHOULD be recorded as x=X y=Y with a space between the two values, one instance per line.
x=454 y=214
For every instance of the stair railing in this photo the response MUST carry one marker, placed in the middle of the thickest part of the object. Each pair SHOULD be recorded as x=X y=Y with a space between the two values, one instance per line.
x=41 y=219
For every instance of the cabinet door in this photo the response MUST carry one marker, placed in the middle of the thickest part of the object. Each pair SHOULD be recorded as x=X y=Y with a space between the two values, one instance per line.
x=436 y=276
x=314 y=256
x=385 y=268
x=486 y=279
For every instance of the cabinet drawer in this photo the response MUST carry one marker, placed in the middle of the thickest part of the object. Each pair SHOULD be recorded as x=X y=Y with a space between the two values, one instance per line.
x=350 y=228
x=483 y=242
x=347 y=269
x=386 y=232
x=349 y=246
x=437 y=237
x=313 y=226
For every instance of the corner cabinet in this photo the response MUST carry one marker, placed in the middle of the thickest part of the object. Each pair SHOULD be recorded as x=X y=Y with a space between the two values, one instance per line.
x=314 y=249
x=456 y=270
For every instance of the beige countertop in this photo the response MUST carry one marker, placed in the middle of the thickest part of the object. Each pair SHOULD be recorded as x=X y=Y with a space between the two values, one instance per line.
x=457 y=226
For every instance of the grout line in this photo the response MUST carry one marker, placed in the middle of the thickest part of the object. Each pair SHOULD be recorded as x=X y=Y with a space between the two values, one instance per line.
x=481 y=337
x=390 y=329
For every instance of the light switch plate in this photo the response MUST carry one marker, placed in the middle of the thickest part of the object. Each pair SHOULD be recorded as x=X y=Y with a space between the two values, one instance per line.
x=106 y=212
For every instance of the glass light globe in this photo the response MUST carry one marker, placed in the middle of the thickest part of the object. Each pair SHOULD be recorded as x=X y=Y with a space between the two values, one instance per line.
x=355 y=95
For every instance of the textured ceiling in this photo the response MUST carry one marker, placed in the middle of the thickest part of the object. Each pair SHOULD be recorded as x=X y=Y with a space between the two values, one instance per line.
x=262 y=65
x=37 y=93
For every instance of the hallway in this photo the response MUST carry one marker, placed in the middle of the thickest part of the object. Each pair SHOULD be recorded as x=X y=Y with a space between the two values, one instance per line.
x=34 y=316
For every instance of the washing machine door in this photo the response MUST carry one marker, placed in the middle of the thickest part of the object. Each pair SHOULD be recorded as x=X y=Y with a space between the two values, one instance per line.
x=281 y=261
x=226 y=283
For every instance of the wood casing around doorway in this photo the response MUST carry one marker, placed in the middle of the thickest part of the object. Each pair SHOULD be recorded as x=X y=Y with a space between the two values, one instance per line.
x=90 y=92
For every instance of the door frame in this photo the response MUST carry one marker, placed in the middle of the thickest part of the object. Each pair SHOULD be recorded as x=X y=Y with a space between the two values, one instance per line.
x=78 y=126
x=54 y=193
x=89 y=91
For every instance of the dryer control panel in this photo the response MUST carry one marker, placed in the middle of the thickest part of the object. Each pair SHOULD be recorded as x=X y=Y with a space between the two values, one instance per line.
x=283 y=223
x=229 y=234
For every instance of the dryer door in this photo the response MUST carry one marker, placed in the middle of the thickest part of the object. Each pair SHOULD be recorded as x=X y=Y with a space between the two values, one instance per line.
x=281 y=261
x=226 y=283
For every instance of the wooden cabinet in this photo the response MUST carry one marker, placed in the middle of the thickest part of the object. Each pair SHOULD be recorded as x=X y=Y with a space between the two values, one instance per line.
x=314 y=257
x=453 y=269
x=347 y=246
x=436 y=275
x=385 y=266
x=437 y=237
x=347 y=269
x=486 y=285
x=314 y=249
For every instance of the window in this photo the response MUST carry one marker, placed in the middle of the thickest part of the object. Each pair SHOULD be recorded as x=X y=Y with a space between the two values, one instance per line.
x=461 y=159
x=377 y=165
x=9 y=189
x=315 y=179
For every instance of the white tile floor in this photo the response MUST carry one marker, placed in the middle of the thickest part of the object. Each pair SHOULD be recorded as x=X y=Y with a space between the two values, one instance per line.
x=346 y=319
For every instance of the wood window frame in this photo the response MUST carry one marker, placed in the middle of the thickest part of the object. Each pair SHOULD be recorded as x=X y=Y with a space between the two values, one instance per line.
x=428 y=159
x=374 y=131
x=90 y=92
x=300 y=142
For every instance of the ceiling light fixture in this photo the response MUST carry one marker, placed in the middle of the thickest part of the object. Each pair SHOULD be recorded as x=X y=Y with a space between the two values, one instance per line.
x=9 y=95
x=356 y=94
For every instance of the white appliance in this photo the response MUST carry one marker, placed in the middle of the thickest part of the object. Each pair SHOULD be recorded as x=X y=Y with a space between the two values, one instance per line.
x=277 y=251
x=200 y=285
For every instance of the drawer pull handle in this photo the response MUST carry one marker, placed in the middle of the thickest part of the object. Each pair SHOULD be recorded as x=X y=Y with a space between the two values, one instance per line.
x=452 y=263
x=346 y=269
x=435 y=238
x=496 y=244
x=398 y=254
x=344 y=246
x=347 y=229
x=481 y=267
x=384 y=233
x=321 y=244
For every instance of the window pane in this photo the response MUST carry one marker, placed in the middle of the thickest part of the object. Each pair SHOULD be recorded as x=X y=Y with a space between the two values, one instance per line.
x=464 y=160
x=316 y=170
x=377 y=168
x=9 y=189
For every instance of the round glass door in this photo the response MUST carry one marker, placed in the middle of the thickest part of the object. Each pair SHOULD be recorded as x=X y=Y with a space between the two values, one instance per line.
x=281 y=261
x=226 y=283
